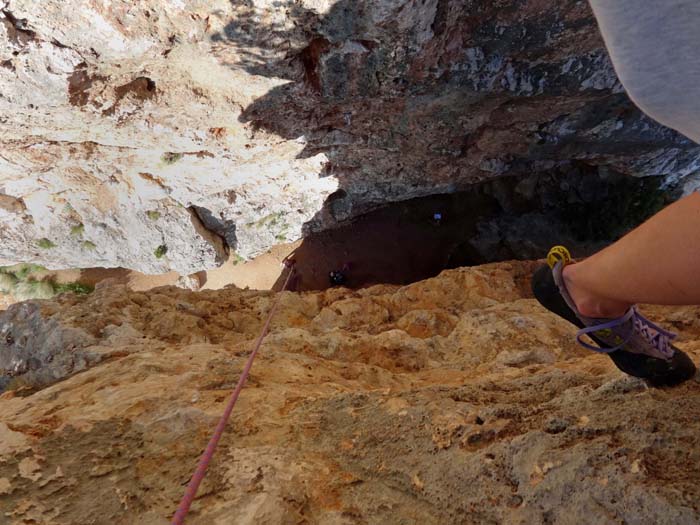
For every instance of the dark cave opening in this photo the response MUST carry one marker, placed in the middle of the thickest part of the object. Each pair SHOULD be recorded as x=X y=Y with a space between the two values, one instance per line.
x=584 y=208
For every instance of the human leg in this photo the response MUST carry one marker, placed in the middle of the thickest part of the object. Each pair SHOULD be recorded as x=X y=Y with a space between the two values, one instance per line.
x=657 y=263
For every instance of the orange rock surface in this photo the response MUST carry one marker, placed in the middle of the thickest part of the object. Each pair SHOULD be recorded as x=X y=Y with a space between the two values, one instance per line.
x=453 y=400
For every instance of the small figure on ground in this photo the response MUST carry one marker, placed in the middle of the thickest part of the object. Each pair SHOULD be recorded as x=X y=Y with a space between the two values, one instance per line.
x=339 y=277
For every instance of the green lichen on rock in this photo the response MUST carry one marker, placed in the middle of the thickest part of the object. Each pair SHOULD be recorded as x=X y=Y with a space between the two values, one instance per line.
x=45 y=244
x=7 y=282
x=27 y=290
x=160 y=251
x=153 y=215
x=269 y=221
x=76 y=288
x=89 y=245
x=23 y=271
x=30 y=281
x=170 y=157
x=77 y=230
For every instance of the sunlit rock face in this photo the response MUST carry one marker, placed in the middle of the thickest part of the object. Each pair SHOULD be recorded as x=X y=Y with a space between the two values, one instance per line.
x=157 y=135
x=453 y=400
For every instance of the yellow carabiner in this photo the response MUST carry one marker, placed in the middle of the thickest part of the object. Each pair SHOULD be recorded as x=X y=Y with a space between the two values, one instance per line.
x=558 y=253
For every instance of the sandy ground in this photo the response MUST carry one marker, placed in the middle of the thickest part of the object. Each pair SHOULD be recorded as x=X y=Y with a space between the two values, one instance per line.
x=259 y=274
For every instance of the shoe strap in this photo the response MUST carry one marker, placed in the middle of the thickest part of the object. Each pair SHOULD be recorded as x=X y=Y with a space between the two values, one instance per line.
x=608 y=325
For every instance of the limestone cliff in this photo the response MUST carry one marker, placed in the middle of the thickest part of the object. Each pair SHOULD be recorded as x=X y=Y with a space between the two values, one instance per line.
x=452 y=400
x=142 y=134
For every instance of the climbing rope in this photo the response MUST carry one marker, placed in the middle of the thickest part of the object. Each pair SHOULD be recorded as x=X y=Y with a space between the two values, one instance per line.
x=200 y=471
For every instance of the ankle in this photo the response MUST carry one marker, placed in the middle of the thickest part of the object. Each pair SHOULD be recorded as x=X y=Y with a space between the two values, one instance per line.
x=587 y=302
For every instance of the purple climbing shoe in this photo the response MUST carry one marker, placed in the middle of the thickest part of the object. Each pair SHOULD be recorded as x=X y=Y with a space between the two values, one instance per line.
x=632 y=332
x=636 y=345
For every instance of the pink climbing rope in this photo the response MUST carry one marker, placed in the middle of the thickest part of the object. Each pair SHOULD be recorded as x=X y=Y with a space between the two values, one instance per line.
x=199 y=473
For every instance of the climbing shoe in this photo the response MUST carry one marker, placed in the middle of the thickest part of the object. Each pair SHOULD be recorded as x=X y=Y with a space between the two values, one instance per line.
x=637 y=346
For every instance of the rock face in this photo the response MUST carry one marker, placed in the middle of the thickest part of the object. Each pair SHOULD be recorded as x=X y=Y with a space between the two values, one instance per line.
x=40 y=351
x=452 y=400
x=130 y=130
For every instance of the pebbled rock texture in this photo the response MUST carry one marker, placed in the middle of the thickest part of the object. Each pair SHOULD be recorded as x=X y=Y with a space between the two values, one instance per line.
x=37 y=351
x=453 y=400
x=128 y=129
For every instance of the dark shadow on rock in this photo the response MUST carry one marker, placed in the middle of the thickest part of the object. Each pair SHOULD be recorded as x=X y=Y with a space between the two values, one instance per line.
x=201 y=278
x=406 y=102
x=225 y=229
